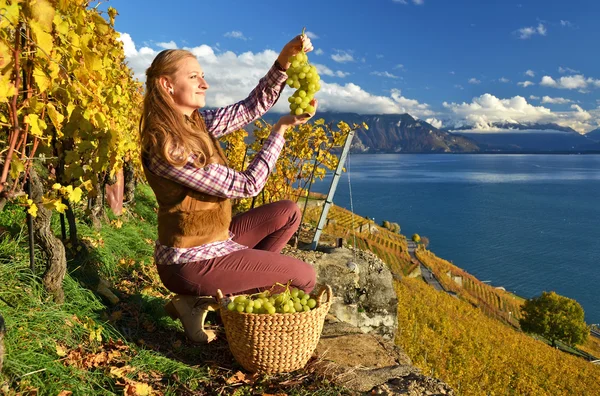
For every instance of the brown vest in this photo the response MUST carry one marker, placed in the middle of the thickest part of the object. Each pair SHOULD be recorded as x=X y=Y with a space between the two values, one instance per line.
x=188 y=218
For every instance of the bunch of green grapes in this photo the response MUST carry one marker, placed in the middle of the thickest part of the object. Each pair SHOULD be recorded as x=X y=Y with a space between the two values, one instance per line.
x=305 y=79
x=289 y=301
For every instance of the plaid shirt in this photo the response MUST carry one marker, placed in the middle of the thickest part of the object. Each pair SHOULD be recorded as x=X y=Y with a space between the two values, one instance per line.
x=220 y=180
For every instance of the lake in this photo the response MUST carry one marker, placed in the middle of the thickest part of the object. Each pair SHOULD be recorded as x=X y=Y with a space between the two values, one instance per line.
x=529 y=223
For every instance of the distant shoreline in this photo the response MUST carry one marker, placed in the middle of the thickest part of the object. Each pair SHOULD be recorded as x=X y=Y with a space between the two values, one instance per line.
x=490 y=152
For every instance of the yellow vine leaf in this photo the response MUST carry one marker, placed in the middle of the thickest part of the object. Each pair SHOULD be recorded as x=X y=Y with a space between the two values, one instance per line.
x=11 y=15
x=87 y=185
x=75 y=195
x=42 y=39
x=4 y=57
x=7 y=88
x=62 y=27
x=63 y=5
x=59 y=206
x=43 y=12
x=112 y=13
x=37 y=125
x=70 y=108
x=16 y=167
x=56 y=117
x=42 y=81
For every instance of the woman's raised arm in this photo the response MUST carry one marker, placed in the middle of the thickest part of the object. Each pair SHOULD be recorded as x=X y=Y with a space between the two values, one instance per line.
x=224 y=120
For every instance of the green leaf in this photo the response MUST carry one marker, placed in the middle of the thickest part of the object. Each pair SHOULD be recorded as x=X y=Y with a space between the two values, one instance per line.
x=16 y=167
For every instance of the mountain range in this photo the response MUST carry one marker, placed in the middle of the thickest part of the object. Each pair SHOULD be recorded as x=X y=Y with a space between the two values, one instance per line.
x=402 y=133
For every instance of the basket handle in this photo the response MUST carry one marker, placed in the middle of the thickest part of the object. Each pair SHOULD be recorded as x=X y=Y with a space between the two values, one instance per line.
x=219 y=296
x=325 y=290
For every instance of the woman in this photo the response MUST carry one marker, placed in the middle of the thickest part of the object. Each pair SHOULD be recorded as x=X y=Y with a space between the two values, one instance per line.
x=200 y=248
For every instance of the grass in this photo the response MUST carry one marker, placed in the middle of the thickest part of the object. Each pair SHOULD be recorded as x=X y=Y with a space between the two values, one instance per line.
x=88 y=345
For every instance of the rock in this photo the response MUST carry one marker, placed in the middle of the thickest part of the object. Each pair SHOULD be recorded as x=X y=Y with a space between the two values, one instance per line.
x=365 y=296
x=352 y=266
x=356 y=348
x=369 y=363
x=413 y=384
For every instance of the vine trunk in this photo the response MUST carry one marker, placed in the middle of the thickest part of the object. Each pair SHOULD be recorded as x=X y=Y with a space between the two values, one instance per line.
x=53 y=248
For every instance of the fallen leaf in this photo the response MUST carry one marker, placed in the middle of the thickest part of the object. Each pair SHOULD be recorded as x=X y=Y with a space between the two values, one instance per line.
x=65 y=393
x=240 y=377
x=120 y=372
x=61 y=350
x=134 y=388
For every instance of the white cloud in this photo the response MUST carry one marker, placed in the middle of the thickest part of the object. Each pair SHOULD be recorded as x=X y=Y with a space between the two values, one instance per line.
x=352 y=98
x=325 y=71
x=525 y=84
x=487 y=109
x=458 y=86
x=128 y=44
x=232 y=76
x=528 y=32
x=170 y=45
x=342 y=57
x=434 y=122
x=236 y=34
x=383 y=74
x=504 y=80
x=533 y=97
x=319 y=51
x=577 y=81
x=452 y=72
x=474 y=81
x=379 y=56
x=563 y=70
x=530 y=73
x=311 y=35
x=138 y=60
x=405 y=2
x=541 y=29
x=399 y=66
x=566 y=23
x=548 y=99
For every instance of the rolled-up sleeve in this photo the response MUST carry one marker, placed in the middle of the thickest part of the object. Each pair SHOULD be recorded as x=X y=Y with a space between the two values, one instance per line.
x=222 y=181
x=227 y=119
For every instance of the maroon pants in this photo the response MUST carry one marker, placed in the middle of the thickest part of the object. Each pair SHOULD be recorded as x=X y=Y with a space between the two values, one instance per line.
x=265 y=230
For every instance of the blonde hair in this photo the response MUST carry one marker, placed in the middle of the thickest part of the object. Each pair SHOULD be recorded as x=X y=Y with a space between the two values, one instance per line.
x=164 y=130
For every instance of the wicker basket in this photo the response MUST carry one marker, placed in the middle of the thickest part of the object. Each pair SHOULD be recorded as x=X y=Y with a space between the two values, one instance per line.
x=274 y=343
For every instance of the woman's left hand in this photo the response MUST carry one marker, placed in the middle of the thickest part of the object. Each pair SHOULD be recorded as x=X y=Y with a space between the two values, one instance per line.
x=296 y=45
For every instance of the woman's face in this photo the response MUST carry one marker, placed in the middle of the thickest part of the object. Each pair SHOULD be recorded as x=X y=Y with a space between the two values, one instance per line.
x=188 y=87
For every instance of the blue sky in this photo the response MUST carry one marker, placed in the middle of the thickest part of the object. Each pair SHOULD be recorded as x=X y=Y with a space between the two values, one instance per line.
x=446 y=61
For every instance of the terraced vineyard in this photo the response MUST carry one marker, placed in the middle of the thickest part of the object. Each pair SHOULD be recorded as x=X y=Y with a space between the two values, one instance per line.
x=493 y=302
x=388 y=246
